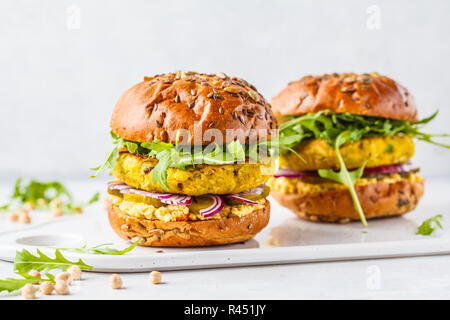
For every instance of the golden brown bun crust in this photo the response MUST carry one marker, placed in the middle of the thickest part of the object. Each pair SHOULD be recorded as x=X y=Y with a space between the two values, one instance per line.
x=188 y=234
x=377 y=199
x=366 y=95
x=160 y=105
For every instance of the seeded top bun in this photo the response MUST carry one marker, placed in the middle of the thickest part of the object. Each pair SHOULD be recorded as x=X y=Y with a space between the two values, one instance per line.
x=366 y=95
x=161 y=105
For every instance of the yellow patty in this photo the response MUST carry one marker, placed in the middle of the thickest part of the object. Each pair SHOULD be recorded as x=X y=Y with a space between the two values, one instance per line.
x=379 y=150
x=194 y=181
x=170 y=213
x=303 y=186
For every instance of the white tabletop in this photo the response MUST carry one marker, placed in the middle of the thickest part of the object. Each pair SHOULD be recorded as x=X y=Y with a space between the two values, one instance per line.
x=406 y=278
x=402 y=278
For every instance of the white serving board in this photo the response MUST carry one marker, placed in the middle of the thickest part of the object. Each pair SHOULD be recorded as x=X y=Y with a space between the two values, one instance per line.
x=298 y=241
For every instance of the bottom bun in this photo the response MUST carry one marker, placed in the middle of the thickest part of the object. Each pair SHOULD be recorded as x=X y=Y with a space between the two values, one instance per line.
x=157 y=233
x=378 y=200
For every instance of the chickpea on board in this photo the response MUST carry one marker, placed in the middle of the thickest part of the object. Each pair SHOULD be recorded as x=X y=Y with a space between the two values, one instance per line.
x=155 y=277
x=46 y=288
x=75 y=272
x=62 y=287
x=29 y=291
x=115 y=281
x=64 y=276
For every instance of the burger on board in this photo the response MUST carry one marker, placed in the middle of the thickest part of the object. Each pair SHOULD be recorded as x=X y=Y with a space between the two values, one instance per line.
x=354 y=133
x=192 y=153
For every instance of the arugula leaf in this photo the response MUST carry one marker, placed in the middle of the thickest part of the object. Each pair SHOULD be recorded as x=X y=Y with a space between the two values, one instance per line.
x=159 y=172
x=13 y=284
x=41 y=190
x=101 y=249
x=131 y=146
x=344 y=176
x=94 y=198
x=110 y=160
x=328 y=125
x=24 y=261
x=34 y=191
x=73 y=206
x=174 y=156
x=236 y=150
x=40 y=194
x=156 y=146
x=429 y=225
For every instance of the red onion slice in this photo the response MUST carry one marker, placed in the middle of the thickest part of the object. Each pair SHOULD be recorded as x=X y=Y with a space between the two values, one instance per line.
x=178 y=200
x=213 y=209
x=397 y=168
x=167 y=198
x=255 y=191
x=236 y=197
x=118 y=186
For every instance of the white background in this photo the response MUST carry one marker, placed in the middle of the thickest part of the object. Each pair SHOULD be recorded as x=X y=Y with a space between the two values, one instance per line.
x=61 y=73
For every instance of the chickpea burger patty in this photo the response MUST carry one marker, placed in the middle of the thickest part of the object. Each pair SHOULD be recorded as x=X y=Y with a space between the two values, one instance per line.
x=136 y=171
x=377 y=151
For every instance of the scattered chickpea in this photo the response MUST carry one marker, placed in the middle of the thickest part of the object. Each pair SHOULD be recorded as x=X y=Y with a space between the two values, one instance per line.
x=155 y=277
x=75 y=272
x=46 y=288
x=55 y=203
x=36 y=274
x=24 y=217
x=62 y=287
x=13 y=216
x=29 y=291
x=78 y=210
x=30 y=206
x=41 y=202
x=64 y=276
x=57 y=213
x=115 y=281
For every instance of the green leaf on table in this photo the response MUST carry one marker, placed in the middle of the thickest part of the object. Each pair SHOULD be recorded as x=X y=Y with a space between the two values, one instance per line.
x=101 y=249
x=94 y=198
x=73 y=206
x=430 y=225
x=13 y=284
x=35 y=191
x=25 y=261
